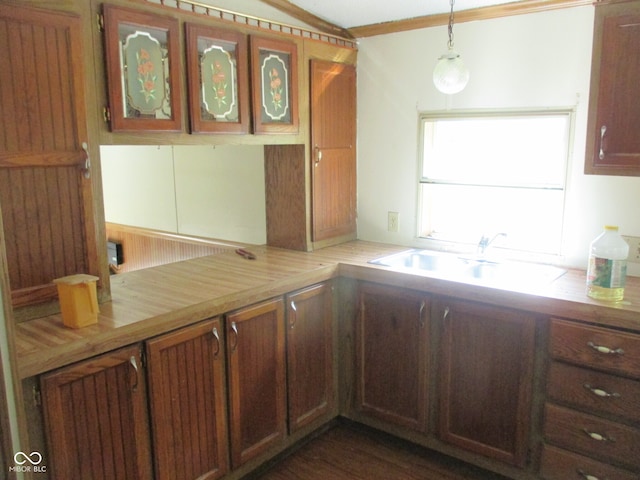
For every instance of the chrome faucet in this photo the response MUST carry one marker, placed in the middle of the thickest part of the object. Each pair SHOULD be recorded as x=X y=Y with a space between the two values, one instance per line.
x=485 y=242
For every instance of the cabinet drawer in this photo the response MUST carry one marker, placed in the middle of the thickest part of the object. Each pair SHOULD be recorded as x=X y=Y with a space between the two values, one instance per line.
x=596 y=347
x=559 y=464
x=596 y=391
x=592 y=436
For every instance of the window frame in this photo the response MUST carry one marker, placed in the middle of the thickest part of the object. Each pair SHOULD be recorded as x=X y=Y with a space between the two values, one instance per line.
x=424 y=228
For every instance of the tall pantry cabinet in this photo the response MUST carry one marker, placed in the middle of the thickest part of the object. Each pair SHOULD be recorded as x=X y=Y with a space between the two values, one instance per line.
x=46 y=184
x=311 y=192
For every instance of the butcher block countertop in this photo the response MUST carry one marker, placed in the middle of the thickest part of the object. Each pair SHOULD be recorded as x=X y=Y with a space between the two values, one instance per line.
x=149 y=302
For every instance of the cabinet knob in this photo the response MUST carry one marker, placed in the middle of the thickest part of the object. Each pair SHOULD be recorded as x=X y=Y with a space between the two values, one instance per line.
x=317 y=155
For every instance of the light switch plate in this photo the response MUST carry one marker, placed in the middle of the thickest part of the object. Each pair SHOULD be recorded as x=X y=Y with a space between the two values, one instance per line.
x=634 y=248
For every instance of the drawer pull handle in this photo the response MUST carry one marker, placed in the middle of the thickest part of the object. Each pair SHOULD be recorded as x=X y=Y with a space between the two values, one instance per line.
x=606 y=350
x=586 y=476
x=601 y=393
x=598 y=436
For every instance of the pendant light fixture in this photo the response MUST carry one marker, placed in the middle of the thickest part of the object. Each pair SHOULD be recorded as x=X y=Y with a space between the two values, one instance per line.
x=450 y=75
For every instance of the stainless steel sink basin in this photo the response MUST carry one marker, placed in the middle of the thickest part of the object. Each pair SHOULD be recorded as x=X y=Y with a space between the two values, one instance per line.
x=470 y=268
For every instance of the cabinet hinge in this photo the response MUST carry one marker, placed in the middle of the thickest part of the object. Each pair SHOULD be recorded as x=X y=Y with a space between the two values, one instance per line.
x=100 y=22
x=37 y=396
x=106 y=114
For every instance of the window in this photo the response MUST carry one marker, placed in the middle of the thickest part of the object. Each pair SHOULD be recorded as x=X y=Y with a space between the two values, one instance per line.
x=490 y=173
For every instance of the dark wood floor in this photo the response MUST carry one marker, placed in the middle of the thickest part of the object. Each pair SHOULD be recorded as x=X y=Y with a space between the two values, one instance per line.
x=348 y=452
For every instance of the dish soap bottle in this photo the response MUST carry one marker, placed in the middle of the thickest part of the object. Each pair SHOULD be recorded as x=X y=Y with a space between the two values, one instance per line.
x=607 y=270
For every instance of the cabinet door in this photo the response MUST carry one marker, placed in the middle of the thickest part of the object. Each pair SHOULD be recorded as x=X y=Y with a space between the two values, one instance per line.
x=486 y=379
x=309 y=355
x=95 y=415
x=187 y=401
x=333 y=141
x=45 y=187
x=392 y=355
x=613 y=143
x=257 y=391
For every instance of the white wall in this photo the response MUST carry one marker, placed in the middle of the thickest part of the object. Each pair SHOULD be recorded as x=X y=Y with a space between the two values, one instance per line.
x=215 y=192
x=534 y=60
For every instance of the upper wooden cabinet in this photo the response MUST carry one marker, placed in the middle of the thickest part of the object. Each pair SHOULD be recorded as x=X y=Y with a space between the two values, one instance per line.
x=613 y=143
x=274 y=85
x=142 y=52
x=46 y=190
x=218 y=79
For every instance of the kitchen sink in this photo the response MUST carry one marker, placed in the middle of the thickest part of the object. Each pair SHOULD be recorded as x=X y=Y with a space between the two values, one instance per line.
x=472 y=268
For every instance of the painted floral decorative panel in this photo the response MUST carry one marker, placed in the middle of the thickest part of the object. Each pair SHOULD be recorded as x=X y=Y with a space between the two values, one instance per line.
x=217 y=66
x=275 y=92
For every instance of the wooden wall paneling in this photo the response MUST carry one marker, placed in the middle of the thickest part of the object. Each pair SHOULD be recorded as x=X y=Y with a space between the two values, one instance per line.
x=10 y=387
x=142 y=248
x=286 y=197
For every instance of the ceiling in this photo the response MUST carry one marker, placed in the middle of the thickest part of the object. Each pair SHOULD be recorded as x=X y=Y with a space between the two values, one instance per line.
x=361 y=18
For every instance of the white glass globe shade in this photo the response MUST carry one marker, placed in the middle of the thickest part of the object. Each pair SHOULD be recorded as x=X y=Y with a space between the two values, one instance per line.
x=450 y=75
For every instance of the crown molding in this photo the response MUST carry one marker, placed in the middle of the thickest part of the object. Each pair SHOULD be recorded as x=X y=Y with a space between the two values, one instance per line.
x=483 y=13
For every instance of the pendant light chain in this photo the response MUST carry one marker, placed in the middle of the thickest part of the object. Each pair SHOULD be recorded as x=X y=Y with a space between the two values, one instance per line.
x=450 y=44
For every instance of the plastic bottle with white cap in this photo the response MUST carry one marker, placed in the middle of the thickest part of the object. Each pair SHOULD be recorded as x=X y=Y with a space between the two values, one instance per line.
x=607 y=271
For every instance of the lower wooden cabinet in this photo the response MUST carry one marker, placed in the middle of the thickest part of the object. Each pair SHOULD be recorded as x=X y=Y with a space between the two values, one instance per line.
x=392 y=346
x=310 y=378
x=257 y=379
x=96 y=422
x=187 y=402
x=208 y=398
x=486 y=379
